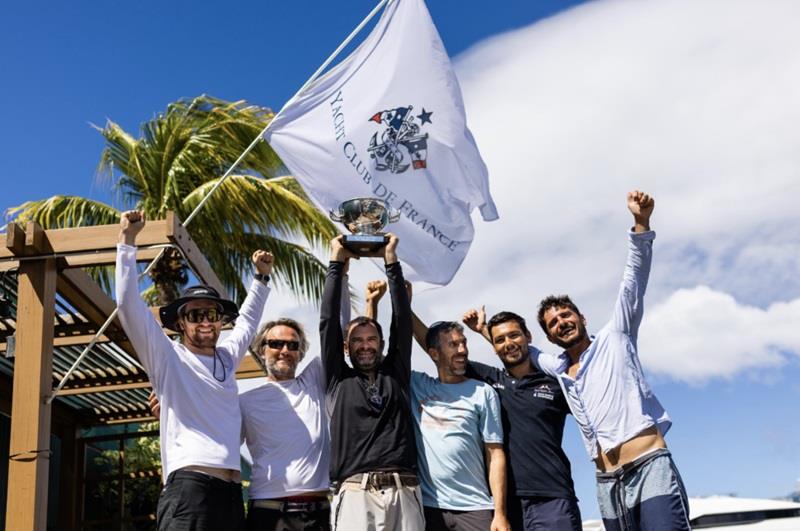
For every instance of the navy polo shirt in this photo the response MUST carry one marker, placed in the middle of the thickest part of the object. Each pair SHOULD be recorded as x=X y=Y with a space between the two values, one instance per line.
x=533 y=414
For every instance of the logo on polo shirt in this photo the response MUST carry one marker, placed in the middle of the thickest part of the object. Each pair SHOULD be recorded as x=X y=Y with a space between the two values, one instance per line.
x=544 y=391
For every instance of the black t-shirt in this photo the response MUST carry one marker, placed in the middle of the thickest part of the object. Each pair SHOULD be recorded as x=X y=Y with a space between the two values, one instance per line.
x=368 y=433
x=533 y=412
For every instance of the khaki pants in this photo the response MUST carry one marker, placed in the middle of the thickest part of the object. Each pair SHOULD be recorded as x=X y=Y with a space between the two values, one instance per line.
x=369 y=509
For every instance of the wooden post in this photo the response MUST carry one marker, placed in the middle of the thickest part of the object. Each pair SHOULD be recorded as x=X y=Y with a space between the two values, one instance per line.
x=33 y=382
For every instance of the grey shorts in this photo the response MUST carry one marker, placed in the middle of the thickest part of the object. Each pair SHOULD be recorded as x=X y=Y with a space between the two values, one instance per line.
x=646 y=494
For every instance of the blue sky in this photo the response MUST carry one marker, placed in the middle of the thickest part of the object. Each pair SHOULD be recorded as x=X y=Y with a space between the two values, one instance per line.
x=694 y=104
x=68 y=65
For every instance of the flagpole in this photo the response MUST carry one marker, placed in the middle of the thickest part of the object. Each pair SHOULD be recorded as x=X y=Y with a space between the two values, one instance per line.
x=219 y=183
x=332 y=57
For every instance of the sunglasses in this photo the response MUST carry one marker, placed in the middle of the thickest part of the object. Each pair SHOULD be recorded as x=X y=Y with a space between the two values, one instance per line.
x=278 y=344
x=212 y=315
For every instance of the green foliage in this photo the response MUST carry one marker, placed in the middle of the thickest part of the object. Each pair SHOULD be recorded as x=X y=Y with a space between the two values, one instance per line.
x=178 y=158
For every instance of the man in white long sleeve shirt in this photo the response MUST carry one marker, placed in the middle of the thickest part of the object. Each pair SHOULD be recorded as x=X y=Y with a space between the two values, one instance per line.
x=286 y=430
x=195 y=382
x=621 y=421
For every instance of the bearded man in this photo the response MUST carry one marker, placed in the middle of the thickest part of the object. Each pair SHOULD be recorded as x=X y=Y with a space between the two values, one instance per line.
x=622 y=422
x=373 y=452
x=286 y=431
x=194 y=379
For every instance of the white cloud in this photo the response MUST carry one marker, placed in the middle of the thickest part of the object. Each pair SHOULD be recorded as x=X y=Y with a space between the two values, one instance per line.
x=695 y=102
x=698 y=334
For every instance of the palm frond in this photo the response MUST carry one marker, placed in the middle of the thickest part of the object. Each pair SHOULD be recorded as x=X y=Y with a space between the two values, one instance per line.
x=62 y=211
x=295 y=267
x=248 y=204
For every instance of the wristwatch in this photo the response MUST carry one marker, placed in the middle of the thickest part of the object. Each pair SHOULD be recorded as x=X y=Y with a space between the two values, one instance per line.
x=261 y=278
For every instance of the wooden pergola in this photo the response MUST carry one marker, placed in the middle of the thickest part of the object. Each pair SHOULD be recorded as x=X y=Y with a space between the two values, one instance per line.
x=58 y=310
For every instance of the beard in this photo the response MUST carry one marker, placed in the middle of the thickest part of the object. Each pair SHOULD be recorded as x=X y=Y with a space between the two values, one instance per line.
x=568 y=344
x=510 y=364
x=204 y=340
x=368 y=364
x=282 y=372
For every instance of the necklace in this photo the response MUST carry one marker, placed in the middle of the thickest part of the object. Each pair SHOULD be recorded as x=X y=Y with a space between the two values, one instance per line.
x=373 y=394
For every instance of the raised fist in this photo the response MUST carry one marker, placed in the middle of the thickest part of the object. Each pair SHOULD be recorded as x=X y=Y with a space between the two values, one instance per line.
x=475 y=320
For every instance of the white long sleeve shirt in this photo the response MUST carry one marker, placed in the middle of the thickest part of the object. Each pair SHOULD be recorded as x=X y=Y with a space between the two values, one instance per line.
x=200 y=417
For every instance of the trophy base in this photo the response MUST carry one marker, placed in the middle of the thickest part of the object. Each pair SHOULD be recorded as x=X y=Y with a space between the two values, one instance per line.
x=364 y=243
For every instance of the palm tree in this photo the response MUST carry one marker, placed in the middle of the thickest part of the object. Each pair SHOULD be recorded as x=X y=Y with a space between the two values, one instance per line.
x=180 y=155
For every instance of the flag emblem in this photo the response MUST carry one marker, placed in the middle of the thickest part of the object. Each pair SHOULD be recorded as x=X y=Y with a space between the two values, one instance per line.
x=401 y=145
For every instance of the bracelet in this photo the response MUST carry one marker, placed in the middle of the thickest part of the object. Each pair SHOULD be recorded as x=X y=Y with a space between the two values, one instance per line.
x=261 y=278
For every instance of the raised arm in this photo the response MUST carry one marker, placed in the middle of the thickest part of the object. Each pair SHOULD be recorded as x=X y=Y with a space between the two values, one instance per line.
x=629 y=308
x=398 y=352
x=142 y=329
x=330 y=331
x=375 y=292
x=252 y=308
x=475 y=320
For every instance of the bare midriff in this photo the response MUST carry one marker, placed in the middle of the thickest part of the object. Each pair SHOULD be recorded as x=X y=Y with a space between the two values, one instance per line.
x=225 y=474
x=627 y=452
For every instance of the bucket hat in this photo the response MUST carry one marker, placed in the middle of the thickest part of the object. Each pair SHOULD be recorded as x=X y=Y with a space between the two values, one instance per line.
x=169 y=313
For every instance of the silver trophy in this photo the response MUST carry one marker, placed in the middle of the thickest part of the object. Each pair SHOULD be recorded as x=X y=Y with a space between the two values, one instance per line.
x=365 y=217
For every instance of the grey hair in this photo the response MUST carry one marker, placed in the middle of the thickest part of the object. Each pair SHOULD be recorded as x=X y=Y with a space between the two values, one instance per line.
x=258 y=343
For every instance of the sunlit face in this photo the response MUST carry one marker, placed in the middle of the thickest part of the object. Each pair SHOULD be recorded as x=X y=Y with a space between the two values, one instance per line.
x=452 y=354
x=364 y=346
x=565 y=327
x=510 y=343
x=281 y=351
x=203 y=334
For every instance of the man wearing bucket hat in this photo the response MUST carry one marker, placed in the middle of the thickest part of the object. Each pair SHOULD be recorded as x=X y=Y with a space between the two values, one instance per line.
x=194 y=380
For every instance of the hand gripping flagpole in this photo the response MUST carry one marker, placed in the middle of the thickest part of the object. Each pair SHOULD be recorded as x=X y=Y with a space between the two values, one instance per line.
x=224 y=177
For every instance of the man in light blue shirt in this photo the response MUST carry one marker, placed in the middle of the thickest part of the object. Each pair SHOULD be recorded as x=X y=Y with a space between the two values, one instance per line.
x=621 y=421
x=457 y=423
x=458 y=432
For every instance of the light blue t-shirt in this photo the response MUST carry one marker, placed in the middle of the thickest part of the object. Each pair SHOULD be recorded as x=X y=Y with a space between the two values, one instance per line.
x=452 y=424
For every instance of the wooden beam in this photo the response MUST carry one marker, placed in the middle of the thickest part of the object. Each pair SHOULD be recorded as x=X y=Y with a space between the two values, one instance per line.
x=67 y=341
x=34 y=238
x=30 y=412
x=104 y=389
x=178 y=235
x=88 y=259
x=100 y=237
x=15 y=241
x=123 y=416
x=8 y=265
x=249 y=368
x=131 y=419
x=105 y=258
x=83 y=293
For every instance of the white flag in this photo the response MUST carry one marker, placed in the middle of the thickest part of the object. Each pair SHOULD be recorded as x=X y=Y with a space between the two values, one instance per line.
x=388 y=122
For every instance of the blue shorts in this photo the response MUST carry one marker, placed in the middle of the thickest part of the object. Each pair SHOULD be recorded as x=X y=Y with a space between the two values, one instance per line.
x=535 y=513
x=644 y=495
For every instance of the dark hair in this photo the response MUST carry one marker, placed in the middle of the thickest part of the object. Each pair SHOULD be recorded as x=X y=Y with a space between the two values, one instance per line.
x=504 y=317
x=261 y=336
x=432 y=335
x=555 y=301
x=364 y=320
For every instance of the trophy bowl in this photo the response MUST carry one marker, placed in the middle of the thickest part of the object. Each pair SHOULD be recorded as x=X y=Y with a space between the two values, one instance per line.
x=365 y=218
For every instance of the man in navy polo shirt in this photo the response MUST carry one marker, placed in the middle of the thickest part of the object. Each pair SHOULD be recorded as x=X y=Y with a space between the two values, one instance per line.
x=541 y=492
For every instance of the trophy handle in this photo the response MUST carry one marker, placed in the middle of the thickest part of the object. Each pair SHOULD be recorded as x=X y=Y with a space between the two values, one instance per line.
x=394 y=215
x=336 y=216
